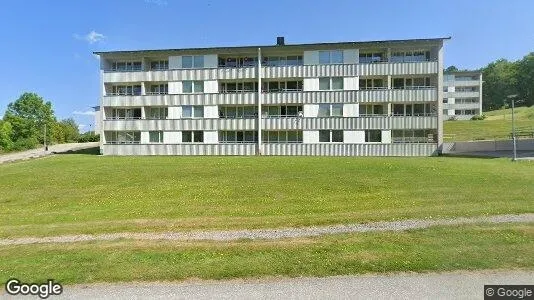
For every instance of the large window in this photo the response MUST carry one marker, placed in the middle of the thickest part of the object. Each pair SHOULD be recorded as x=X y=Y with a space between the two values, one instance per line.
x=125 y=90
x=238 y=62
x=193 y=62
x=414 y=109
x=192 y=111
x=155 y=136
x=291 y=60
x=372 y=109
x=410 y=56
x=372 y=84
x=293 y=136
x=373 y=136
x=281 y=111
x=414 y=136
x=125 y=113
x=157 y=113
x=330 y=57
x=466 y=89
x=238 y=87
x=371 y=57
x=159 y=65
x=237 y=112
x=238 y=136
x=123 y=137
x=330 y=110
x=466 y=100
x=192 y=136
x=159 y=89
x=411 y=83
x=330 y=83
x=126 y=66
x=189 y=86
x=331 y=136
x=282 y=86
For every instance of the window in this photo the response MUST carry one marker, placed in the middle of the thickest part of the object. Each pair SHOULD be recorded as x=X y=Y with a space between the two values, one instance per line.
x=411 y=83
x=159 y=65
x=155 y=136
x=416 y=109
x=195 y=111
x=238 y=87
x=414 y=136
x=445 y=100
x=127 y=66
x=330 y=83
x=291 y=60
x=238 y=136
x=232 y=112
x=371 y=57
x=330 y=110
x=294 y=136
x=372 y=83
x=122 y=137
x=324 y=110
x=281 y=111
x=159 y=89
x=192 y=136
x=371 y=109
x=373 y=136
x=189 y=86
x=157 y=113
x=337 y=110
x=330 y=57
x=281 y=86
x=410 y=56
x=125 y=113
x=334 y=136
x=125 y=90
x=193 y=62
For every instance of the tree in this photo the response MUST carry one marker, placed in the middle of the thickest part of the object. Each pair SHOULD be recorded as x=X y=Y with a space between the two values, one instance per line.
x=500 y=80
x=525 y=79
x=65 y=131
x=6 y=131
x=451 y=69
x=28 y=116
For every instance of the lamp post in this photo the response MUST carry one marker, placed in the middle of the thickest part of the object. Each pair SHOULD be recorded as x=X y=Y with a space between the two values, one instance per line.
x=512 y=98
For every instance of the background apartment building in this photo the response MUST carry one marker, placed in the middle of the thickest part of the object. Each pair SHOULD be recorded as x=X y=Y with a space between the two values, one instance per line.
x=351 y=98
x=462 y=97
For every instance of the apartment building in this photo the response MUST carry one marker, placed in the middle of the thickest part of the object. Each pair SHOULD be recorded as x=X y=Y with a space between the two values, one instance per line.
x=462 y=95
x=346 y=99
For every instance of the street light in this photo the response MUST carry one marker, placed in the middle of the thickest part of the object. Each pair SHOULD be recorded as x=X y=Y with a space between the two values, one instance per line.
x=512 y=97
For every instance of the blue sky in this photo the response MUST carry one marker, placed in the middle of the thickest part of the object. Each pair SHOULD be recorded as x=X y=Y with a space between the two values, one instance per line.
x=47 y=45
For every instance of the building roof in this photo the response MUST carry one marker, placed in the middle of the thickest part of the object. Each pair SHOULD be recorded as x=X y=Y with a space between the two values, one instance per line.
x=277 y=47
x=463 y=73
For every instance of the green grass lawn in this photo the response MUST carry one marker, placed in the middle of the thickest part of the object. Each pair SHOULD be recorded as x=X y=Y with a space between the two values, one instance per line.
x=497 y=125
x=73 y=194
x=504 y=246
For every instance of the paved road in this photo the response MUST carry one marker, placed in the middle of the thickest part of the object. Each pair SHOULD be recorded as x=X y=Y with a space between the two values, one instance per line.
x=279 y=233
x=458 y=285
x=40 y=152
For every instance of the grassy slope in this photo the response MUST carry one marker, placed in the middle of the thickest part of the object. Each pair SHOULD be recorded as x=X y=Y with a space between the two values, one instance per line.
x=91 y=194
x=497 y=125
x=436 y=249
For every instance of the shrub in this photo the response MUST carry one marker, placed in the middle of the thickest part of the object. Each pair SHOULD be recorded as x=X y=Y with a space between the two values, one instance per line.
x=88 y=137
x=478 y=117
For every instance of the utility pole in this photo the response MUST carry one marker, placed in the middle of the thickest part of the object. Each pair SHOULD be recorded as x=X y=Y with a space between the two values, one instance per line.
x=512 y=97
x=44 y=140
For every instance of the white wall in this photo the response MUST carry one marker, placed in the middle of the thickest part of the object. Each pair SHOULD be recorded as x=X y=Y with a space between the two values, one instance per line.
x=351 y=83
x=310 y=136
x=211 y=61
x=144 y=137
x=353 y=136
x=175 y=112
x=451 y=100
x=211 y=86
x=351 y=56
x=386 y=136
x=310 y=110
x=175 y=87
x=451 y=89
x=311 y=84
x=172 y=137
x=351 y=110
x=211 y=137
x=175 y=62
x=211 y=111
x=311 y=57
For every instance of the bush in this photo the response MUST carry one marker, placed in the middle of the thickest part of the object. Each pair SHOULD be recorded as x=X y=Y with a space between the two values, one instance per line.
x=478 y=117
x=88 y=137
x=25 y=144
x=453 y=118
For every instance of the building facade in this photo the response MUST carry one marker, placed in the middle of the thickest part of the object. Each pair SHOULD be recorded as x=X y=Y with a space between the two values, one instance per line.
x=462 y=95
x=346 y=99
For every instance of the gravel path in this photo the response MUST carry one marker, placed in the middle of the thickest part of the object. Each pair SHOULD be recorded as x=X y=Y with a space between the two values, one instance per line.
x=454 y=285
x=231 y=235
x=40 y=152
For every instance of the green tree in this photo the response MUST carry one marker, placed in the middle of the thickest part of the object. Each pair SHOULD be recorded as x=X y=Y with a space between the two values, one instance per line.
x=66 y=131
x=451 y=69
x=525 y=79
x=6 y=131
x=500 y=80
x=28 y=116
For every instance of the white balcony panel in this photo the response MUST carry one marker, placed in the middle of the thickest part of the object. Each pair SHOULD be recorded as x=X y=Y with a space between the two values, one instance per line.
x=379 y=122
x=179 y=149
x=462 y=95
x=343 y=149
x=461 y=106
x=464 y=83
x=236 y=73
x=180 y=124
x=415 y=68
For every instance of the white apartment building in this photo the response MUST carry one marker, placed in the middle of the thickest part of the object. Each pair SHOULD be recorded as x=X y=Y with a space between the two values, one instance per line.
x=345 y=99
x=462 y=95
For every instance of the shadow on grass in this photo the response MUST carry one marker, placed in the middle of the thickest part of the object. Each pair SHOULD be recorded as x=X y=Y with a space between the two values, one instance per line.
x=87 y=151
x=469 y=156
